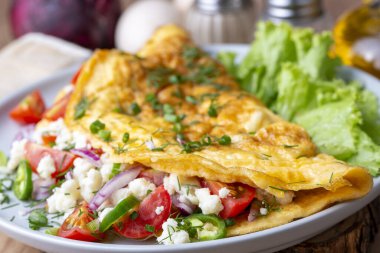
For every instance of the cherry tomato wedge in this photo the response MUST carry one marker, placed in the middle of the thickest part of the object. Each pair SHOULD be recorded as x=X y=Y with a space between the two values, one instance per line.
x=75 y=226
x=58 y=109
x=29 y=110
x=62 y=160
x=76 y=76
x=240 y=197
x=48 y=140
x=147 y=217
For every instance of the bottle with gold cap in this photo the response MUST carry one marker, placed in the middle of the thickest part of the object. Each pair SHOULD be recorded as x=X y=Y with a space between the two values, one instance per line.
x=357 y=37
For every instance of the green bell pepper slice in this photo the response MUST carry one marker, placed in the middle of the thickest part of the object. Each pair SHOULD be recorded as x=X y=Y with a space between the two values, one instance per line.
x=118 y=211
x=23 y=184
x=209 y=227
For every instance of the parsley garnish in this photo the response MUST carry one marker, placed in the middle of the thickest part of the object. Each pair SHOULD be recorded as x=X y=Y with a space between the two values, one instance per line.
x=80 y=108
x=224 y=140
x=37 y=219
x=134 y=109
x=105 y=135
x=96 y=126
x=149 y=228
x=125 y=138
x=212 y=110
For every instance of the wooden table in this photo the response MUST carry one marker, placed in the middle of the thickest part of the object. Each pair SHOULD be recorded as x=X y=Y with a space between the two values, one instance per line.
x=351 y=235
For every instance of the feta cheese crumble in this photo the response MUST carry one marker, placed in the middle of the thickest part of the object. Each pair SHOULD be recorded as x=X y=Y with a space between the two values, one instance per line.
x=159 y=210
x=46 y=167
x=64 y=197
x=263 y=211
x=16 y=155
x=209 y=204
x=223 y=192
x=186 y=191
x=171 y=234
x=140 y=188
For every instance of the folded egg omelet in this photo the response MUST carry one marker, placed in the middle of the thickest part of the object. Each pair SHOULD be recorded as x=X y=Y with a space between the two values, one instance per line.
x=185 y=115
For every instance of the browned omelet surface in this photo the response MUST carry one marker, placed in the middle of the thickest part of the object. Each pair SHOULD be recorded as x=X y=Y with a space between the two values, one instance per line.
x=171 y=75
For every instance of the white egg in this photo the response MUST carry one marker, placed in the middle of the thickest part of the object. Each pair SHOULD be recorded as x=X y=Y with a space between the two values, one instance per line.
x=140 y=20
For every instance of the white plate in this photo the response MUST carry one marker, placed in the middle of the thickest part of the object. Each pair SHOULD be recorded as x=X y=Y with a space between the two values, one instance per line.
x=264 y=241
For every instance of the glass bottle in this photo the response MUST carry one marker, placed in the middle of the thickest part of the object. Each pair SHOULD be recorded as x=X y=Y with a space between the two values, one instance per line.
x=357 y=37
x=221 y=21
x=303 y=13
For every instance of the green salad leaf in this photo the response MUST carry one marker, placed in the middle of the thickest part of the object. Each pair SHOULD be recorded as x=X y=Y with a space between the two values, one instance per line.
x=290 y=70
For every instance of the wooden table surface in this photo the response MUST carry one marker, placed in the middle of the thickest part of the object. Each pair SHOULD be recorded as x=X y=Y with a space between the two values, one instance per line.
x=8 y=245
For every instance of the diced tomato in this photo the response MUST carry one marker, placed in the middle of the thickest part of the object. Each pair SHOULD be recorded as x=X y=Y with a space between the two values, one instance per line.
x=75 y=77
x=240 y=197
x=63 y=160
x=58 y=109
x=75 y=226
x=29 y=110
x=147 y=216
x=48 y=140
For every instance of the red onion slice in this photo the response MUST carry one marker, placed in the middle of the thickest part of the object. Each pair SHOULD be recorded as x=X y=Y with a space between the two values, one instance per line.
x=25 y=132
x=41 y=188
x=254 y=212
x=119 y=181
x=183 y=207
x=92 y=157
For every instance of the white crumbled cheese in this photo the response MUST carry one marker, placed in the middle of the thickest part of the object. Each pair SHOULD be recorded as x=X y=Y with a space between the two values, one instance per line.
x=186 y=192
x=209 y=204
x=80 y=140
x=223 y=192
x=263 y=211
x=64 y=139
x=46 y=167
x=254 y=121
x=64 y=197
x=81 y=168
x=140 y=188
x=16 y=155
x=71 y=187
x=91 y=184
x=119 y=195
x=171 y=235
x=104 y=213
x=48 y=128
x=159 y=210
x=106 y=169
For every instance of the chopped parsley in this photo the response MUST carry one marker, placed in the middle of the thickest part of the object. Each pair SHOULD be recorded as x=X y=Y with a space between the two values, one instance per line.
x=152 y=99
x=125 y=138
x=37 y=219
x=96 y=126
x=134 y=109
x=80 y=108
x=191 y=100
x=105 y=135
x=149 y=228
x=224 y=140
x=212 y=110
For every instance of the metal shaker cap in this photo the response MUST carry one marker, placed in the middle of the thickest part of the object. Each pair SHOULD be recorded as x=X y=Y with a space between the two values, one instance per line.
x=292 y=9
x=221 y=5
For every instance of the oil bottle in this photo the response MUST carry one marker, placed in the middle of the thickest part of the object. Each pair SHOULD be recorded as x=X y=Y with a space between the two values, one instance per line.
x=357 y=37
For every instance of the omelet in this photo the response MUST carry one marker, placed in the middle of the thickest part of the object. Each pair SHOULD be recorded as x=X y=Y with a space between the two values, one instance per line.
x=185 y=115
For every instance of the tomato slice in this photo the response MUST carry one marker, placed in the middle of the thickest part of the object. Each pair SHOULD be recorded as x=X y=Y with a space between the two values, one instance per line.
x=58 y=109
x=240 y=197
x=136 y=228
x=75 y=226
x=76 y=76
x=29 y=110
x=63 y=160
x=48 y=140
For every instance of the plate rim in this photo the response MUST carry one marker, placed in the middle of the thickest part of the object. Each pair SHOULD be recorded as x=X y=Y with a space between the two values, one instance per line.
x=10 y=227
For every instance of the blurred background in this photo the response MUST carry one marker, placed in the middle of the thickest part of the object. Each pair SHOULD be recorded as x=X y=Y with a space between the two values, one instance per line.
x=333 y=8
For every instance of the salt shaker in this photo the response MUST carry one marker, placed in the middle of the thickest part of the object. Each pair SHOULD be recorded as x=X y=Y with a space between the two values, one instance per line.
x=303 y=13
x=221 y=21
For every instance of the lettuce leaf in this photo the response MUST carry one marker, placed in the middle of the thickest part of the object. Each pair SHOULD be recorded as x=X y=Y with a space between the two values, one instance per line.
x=290 y=70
